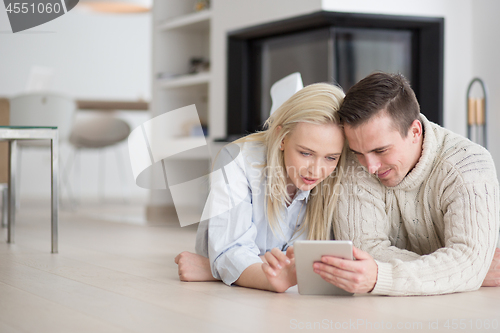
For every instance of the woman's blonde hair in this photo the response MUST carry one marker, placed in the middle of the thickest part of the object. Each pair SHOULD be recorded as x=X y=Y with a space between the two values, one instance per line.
x=316 y=104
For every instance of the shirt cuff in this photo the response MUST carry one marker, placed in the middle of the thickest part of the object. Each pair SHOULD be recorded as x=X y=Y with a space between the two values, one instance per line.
x=232 y=263
x=384 y=279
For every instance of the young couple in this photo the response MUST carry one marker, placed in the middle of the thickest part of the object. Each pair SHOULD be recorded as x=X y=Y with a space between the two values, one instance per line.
x=422 y=201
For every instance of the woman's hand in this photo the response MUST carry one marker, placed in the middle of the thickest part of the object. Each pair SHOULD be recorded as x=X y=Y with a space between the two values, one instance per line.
x=280 y=269
x=193 y=267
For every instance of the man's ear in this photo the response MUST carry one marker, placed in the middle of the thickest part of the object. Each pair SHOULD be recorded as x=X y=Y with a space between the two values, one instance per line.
x=416 y=130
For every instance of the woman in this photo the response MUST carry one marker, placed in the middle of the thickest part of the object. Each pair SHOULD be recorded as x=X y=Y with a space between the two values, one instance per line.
x=273 y=187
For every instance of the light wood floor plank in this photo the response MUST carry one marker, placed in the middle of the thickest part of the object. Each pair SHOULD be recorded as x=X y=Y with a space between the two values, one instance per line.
x=4 y=328
x=187 y=302
x=116 y=310
x=122 y=275
x=21 y=311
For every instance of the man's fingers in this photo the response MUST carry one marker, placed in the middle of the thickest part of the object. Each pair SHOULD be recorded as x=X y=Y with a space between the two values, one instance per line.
x=359 y=276
x=351 y=282
x=334 y=272
x=359 y=254
x=343 y=264
x=336 y=280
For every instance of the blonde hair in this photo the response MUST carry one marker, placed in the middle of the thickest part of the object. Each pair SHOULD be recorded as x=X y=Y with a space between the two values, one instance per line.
x=316 y=104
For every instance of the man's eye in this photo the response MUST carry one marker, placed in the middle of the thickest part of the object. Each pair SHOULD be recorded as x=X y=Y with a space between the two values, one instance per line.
x=381 y=151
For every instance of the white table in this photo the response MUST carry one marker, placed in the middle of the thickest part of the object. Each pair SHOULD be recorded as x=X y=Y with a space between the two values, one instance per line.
x=14 y=134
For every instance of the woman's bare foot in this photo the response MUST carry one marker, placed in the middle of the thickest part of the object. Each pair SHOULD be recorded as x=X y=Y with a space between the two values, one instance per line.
x=193 y=267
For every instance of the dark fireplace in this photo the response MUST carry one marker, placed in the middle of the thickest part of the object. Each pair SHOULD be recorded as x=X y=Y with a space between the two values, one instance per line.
x=331 y=47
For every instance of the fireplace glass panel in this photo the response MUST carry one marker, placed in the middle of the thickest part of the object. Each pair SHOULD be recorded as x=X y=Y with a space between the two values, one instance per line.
x=359 y=52
x=332 y=47
x=306 y=53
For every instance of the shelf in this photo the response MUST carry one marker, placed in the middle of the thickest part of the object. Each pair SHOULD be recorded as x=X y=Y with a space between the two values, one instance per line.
x=199 y=21
x=185 y=81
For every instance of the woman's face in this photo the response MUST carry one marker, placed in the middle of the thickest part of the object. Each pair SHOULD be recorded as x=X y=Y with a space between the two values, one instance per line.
x=311 y=153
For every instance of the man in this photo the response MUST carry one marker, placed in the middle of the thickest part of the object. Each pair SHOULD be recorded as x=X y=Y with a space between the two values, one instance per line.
x=423 y=201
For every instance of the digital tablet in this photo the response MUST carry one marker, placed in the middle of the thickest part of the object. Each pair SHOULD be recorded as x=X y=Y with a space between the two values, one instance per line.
x=308 y=252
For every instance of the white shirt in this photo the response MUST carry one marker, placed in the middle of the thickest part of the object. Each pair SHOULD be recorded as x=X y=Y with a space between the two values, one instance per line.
x=234 y=239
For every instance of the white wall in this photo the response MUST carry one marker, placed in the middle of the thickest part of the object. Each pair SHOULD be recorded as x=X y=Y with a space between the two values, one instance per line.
x=94 y=56
x=485 y=57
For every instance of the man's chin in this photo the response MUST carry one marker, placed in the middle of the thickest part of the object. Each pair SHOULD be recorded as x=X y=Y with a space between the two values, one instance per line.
x=390 y=182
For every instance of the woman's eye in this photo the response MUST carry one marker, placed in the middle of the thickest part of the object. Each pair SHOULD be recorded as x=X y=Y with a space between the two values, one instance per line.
x=331 y=159
x=305 y=154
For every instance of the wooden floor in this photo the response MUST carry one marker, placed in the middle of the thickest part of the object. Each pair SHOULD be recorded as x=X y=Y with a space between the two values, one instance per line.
x=116 y=273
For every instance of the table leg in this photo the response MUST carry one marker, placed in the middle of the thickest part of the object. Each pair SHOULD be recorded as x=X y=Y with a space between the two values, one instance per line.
x=5 y=206
x=12 y=191
x=54 y=147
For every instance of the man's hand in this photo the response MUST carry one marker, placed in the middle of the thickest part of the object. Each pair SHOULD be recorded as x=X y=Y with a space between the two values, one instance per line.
x=280 y=269
x=492 y=279
x=355 y=276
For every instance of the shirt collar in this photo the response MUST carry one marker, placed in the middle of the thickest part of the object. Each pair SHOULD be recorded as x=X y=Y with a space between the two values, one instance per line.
x=302 y=195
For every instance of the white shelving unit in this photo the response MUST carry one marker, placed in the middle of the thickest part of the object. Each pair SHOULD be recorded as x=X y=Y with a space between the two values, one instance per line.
x=185 y=81
x=194 y=22
x=179 y=35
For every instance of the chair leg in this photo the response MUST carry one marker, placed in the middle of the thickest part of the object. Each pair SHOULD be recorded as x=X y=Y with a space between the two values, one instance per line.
x=65 y=183
x=77 y=176
x=101 y=176
x=121 y=171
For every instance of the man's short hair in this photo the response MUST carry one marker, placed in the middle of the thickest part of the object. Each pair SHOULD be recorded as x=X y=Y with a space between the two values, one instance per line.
x=381 y=92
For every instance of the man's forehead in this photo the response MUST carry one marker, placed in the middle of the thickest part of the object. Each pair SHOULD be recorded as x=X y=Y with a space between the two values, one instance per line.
x=364 y=146
x=373 y=124
x=377 y=117
x=374 y=134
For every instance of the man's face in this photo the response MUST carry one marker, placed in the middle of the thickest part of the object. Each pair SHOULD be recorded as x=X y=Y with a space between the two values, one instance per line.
x=383 y=151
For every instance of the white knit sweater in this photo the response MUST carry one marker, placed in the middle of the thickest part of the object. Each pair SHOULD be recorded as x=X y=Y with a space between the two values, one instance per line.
x=437 y=230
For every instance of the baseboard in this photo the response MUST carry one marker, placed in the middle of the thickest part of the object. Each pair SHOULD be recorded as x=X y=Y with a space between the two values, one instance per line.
x=164 y=213
x=169 y=215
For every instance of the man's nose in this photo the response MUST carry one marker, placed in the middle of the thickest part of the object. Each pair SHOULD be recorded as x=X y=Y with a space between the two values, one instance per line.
x=372 y=164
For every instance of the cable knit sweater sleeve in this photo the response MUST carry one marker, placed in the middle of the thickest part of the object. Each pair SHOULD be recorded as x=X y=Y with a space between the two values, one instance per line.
x=434 y=233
